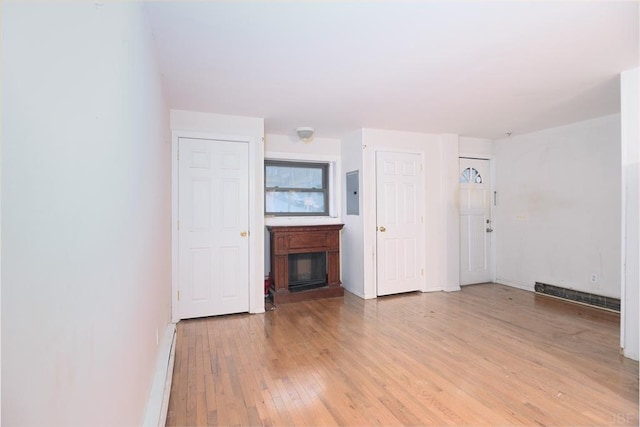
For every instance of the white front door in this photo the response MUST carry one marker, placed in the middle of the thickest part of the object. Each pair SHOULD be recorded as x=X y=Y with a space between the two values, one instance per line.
x=213 y=243
x=475 y=221
x=399 y=222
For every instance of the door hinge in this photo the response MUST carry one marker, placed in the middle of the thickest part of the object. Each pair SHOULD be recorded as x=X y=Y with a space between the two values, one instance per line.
x=420 y=167
x=178 y=295
x=178 y=155
x=422 y=271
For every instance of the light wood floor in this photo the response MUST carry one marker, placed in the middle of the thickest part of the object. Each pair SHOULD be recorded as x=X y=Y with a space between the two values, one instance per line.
x=488 y=355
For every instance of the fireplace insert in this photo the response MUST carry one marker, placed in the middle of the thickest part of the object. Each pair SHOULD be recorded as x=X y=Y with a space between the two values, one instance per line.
x=307 y=271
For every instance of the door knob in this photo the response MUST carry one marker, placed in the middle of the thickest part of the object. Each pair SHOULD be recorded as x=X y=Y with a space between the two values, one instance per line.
x=489 y=229
x=382 y=229
x=243 y=234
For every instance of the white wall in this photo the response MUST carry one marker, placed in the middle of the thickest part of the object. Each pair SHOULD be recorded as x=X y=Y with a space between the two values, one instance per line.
x=469 y=146
x=208 y=125
x=285 y=147
x=440 y=153
x=630 y=128
x=352 y=249
x=85 y=214
x=450 y=215
x=196 y=121
x=557 y=219
x=291 y=144
x=357 y=152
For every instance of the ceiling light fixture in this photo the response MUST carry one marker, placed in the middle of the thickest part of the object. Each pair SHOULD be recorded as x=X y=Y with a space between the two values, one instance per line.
x=304 y=133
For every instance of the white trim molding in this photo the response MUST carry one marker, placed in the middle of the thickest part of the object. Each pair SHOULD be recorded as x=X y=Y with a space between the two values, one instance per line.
x=158 y=403
x=335 y=190
x=256 y=217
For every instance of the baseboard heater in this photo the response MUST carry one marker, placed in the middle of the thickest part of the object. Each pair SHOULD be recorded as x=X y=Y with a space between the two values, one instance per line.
x=587 y=298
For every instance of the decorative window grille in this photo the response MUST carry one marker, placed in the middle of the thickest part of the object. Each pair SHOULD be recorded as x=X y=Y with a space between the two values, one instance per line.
x=470 y=176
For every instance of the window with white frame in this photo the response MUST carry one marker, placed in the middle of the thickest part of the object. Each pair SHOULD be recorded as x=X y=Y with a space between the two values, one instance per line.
x=296 y=188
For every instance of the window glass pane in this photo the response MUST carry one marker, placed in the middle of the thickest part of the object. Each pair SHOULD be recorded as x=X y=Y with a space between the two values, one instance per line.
x=296 y=188
x=464 y=176
x=470 y=175
x=294 y=201
x=293 y=177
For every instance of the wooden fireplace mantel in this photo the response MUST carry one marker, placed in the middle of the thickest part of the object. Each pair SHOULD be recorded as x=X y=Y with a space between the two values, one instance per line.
x=299 y=239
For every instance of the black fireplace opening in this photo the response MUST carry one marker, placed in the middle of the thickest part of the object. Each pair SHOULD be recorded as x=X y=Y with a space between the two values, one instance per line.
x=307 y=271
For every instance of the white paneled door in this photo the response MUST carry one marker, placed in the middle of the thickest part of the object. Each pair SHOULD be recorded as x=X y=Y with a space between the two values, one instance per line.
x=213 y=247
x=400 y=235
x=475 y=221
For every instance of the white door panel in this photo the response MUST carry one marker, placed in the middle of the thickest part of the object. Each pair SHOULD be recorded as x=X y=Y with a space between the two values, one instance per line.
x=399 y=216
x=213 y=247
x=475 y=221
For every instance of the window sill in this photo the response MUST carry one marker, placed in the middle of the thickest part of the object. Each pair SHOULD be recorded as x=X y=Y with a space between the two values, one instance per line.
x=301 y=220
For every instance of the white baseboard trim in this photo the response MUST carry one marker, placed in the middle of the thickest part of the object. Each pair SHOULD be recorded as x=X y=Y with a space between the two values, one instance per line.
x=158 y=403
x=358 y=294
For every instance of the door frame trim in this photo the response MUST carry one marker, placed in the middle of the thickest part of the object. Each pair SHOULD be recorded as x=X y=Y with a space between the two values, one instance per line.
x=492 y=174
x=255 y=292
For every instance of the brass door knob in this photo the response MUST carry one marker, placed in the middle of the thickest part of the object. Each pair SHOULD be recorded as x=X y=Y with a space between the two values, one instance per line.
x=243 y=234
x=382 y=229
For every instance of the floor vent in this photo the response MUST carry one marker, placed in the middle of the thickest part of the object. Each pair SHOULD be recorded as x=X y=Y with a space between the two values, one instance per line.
x=579 y=296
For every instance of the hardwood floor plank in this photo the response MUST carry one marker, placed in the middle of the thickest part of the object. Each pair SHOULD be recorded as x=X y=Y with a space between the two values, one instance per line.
x=179 y=382
x=488 y=355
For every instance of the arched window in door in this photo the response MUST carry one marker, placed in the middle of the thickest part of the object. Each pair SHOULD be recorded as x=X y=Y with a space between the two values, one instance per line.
x=470 y=176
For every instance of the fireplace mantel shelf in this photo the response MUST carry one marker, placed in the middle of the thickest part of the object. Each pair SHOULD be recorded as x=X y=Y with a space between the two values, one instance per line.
x=299 y=239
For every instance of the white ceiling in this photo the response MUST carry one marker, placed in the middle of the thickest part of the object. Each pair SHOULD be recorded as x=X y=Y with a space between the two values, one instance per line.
x=472 y=68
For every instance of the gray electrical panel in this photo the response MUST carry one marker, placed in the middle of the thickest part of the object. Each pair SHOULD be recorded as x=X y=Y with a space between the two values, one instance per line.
x=353 y=196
